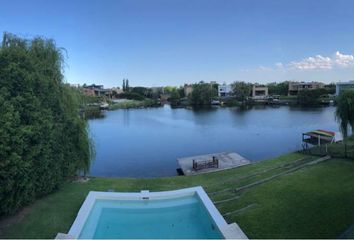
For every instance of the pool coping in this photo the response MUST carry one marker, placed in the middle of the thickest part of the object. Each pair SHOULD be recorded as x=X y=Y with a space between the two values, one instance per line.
x=227 y=230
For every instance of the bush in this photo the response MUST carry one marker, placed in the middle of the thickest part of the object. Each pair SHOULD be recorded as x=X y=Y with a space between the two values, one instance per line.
x=134 y=104
x=310 y=97
x=43 y=140
x=131 y=96
x=202 y=94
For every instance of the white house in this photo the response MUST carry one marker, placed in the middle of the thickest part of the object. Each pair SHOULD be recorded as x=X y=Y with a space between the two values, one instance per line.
x=224 y=90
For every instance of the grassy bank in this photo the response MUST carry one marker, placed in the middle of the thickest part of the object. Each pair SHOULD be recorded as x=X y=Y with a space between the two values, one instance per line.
x=313 y=202
x=339 y=149
x=132 y=104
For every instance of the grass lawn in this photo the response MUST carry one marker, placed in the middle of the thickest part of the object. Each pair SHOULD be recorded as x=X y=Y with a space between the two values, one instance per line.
x=313 y=202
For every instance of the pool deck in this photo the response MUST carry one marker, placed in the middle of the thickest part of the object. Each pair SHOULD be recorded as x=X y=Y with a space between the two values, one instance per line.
x=226 y=161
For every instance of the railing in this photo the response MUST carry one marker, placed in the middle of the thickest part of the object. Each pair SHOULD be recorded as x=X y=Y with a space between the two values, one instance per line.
x=336 y=150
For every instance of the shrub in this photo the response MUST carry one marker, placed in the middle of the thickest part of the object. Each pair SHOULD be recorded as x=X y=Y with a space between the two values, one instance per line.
x=43 y=140
x=131 y=96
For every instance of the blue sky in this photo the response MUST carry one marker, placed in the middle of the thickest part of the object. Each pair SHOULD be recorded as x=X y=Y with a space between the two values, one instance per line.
x=172 y=42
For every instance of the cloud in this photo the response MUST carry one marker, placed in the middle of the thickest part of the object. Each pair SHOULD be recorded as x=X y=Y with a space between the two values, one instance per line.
x=263 y=68
x=343 y=60
x=318 y=62
x=279 y=65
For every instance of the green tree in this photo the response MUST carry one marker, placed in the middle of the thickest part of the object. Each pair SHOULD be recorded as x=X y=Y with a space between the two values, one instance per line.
x=127 y=85
x=242 y=90
x=175 y=98
x=139 y=90
x=331 y=88
x=309 y=97
x=181 y=92
x=169 y=89
x=345 y=114
x=43 y=139
x=278 y=88
x=202 y=94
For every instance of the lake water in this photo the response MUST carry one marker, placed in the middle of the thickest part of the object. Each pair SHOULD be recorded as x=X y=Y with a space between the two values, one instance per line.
x=147 y=142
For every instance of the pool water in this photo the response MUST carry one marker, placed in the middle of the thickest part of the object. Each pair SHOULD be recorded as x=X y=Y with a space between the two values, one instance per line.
x=183 y=217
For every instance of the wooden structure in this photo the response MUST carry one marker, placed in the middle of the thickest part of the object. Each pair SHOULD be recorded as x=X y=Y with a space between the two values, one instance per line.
x=210 y=163
x=317 y=138
x=213 y=163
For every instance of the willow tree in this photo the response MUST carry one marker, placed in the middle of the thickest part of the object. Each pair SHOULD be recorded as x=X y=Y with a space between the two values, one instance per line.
x=345 y=114
x=43 y=139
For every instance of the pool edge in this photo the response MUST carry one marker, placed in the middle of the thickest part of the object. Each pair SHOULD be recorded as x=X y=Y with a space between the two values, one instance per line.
x=229 y=231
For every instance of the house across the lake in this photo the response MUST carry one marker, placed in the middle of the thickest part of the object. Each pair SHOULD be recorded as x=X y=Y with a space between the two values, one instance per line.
x=342 y=86
x=188 y=89
x=295 y=87
x=96 y=90
x=259 y=92
x=224 y=90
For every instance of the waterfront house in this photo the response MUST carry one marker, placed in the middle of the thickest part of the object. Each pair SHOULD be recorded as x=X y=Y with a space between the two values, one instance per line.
x=188 y=89
x=96 y=90
x=224 y=90
x=259 y=92
x=295 y=87
x=341 y=86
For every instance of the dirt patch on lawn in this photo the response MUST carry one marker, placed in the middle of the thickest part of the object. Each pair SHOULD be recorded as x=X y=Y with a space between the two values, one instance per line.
x=6 y=222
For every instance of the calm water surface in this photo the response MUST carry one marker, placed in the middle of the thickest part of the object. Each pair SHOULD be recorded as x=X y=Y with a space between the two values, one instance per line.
x=147 y=142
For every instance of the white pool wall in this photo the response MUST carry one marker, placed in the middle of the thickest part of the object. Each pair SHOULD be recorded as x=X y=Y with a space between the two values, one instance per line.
x=227 y=230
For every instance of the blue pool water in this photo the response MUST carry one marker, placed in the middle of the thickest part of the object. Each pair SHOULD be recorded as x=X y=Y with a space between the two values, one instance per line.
x=184 y=217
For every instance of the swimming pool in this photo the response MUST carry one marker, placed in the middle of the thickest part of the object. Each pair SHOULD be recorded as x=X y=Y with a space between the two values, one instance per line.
x=181 y=214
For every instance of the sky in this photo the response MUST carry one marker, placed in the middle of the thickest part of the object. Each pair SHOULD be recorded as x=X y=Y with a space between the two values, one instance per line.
x=172 y=42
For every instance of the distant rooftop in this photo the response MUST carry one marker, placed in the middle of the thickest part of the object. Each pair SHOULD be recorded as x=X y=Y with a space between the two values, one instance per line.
x=345 y=83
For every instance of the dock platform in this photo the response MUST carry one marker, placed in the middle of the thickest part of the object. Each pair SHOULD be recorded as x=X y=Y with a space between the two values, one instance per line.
x=225 y=161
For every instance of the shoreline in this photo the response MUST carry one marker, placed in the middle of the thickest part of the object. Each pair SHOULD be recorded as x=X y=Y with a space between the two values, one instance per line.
x=258 y=220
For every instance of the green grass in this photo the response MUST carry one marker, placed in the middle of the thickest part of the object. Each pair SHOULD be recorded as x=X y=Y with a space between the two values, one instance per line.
x=132 y=104
x=314 y=202
x=284 y=97
x=127 y=104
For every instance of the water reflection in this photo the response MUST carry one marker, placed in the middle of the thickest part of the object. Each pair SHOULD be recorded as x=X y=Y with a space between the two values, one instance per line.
x=146 y=142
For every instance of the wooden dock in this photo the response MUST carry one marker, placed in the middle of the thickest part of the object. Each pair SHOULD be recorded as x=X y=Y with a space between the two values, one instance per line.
x=225 y=161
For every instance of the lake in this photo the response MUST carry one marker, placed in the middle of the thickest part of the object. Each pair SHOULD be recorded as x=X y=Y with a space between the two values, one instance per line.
x=147 y=142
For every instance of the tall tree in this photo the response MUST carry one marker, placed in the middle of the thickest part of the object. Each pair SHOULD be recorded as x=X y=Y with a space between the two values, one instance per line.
x=278 y=88
x=43 y=139
x=202 y=94
x=345 y=114
x=123 y=87
x=127 y=85
x=242 y=90
x=175 y=98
